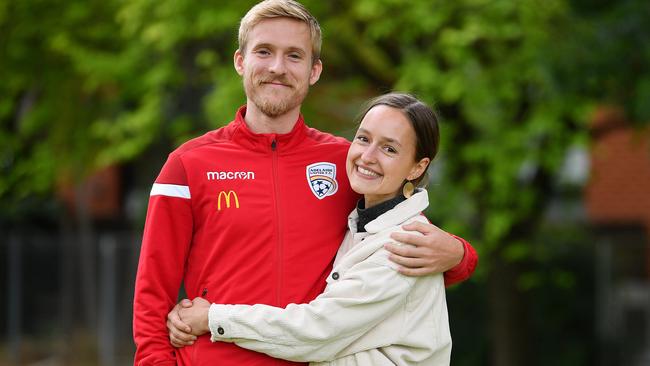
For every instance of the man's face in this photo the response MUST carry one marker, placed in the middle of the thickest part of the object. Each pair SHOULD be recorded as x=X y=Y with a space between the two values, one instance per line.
x=277 y=65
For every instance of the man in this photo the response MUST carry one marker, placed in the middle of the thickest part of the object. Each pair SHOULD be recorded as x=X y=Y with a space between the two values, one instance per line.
x=254 y=212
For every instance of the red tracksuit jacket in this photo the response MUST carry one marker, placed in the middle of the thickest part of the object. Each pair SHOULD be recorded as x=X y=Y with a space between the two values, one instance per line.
x=242 y=218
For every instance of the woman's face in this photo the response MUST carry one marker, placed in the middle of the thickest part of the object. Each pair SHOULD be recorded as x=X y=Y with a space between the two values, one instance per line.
x=382 y=155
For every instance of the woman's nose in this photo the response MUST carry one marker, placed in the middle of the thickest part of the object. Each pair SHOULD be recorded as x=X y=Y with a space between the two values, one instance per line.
x=368 y=154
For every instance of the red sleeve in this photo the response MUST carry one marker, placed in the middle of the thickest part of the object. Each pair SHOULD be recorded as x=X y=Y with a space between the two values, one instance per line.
x=465 y=268
x=165 y=244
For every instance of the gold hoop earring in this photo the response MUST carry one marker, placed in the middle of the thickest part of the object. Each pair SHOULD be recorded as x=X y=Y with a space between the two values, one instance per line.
x=408 y=189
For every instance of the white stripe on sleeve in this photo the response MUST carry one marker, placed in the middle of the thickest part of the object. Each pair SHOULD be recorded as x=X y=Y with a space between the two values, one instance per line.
x=170 y=190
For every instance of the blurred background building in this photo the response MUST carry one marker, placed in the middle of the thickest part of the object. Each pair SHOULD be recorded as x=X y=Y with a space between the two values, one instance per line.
x=618 y=203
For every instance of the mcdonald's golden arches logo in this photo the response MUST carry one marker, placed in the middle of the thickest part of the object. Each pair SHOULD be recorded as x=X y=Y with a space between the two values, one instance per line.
x=227 y=196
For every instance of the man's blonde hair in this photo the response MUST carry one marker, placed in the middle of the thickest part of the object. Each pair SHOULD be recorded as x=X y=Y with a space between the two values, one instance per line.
x=269 y=9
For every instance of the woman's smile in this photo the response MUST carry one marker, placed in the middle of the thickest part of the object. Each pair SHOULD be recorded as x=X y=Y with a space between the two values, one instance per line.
x=367 y=172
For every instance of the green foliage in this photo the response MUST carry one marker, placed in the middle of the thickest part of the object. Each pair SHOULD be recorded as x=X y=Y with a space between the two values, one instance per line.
x=92 y=83
x=505 y=116
x=102 y=81
x=608 y=53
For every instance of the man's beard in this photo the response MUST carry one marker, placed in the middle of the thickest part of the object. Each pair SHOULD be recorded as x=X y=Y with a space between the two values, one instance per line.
x=275 y=108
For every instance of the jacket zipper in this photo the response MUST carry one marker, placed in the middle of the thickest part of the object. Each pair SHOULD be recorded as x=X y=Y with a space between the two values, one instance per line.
x=278 y=221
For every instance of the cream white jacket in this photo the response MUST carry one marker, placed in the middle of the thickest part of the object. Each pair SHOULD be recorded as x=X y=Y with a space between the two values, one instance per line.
x=369 y=314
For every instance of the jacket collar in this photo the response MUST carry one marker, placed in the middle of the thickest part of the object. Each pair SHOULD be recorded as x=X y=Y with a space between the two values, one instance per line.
x=367 y=215
x=405 y=210
x=242 y=135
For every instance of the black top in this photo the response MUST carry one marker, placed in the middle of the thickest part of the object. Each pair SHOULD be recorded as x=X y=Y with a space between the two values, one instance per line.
x=368 y=214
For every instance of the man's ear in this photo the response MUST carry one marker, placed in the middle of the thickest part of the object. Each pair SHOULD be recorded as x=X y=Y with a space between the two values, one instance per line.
x=238 y=60
x=316 y=69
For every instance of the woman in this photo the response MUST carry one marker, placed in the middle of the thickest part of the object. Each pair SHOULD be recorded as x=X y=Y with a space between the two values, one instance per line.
x=369 y=314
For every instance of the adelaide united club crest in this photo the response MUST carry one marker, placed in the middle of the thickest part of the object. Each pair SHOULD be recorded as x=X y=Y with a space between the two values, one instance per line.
x=322 y=179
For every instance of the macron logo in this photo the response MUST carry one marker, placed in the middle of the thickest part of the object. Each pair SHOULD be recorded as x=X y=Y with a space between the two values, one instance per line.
x=230 y=175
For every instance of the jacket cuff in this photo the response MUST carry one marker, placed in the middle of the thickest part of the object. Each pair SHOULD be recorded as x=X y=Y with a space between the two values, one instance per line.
x=218 y=323
x=465 y=268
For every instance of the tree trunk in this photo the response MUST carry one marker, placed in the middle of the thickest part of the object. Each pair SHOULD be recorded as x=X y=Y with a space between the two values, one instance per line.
x=509 y=324
x=87 y=257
